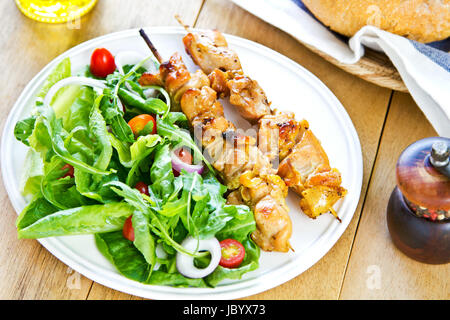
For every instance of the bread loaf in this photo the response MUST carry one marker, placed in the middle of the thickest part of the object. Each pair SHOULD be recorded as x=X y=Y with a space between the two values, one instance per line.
x=420 y=20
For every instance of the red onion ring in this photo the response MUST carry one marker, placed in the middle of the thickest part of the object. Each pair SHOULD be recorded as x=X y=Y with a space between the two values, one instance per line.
x=178 y=164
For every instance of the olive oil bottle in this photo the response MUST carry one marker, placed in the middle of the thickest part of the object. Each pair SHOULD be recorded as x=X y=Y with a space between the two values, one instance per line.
x=55 y=11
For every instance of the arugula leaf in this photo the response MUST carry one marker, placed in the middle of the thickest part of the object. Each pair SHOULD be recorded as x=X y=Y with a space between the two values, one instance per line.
x=175 y=208
x=114 y=117
x=161 y=174
x=242 y=224
x=139 y=151
x=148 y=105
x=24 y=128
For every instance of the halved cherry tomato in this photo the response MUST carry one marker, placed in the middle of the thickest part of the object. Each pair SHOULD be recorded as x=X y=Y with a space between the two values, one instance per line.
x=102 y=63
x=184 y=155
x=70 y=170
x=143 y=124
x=142 y=187
x=128 y=231
x=233 y=253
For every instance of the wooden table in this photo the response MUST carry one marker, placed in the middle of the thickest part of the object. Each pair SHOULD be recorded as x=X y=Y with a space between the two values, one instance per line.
x=363 y=264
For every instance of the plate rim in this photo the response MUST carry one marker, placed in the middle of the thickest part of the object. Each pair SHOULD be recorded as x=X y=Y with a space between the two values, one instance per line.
x=235 y=290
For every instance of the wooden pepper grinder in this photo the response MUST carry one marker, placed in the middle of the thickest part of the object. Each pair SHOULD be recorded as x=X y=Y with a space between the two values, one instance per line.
x=418 y=213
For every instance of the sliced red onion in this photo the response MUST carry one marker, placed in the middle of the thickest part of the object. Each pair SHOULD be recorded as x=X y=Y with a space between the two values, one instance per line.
x=132 y=57
x=185 y=263
x=160 y=253
x=178 y=164
x=150 y=93
x=126 y=57
x=82 y=81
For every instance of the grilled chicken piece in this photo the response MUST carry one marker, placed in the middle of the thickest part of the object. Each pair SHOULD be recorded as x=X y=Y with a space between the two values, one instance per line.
x=245 y=94
x=235 y=198
x=278 y=133
x=248 y=97
x=209 y=50
x=219 y=81
x=175 y=77
x=274 y=226
x=307 y=171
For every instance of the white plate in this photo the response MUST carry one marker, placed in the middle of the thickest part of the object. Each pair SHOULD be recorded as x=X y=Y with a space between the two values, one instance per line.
x=289 y=86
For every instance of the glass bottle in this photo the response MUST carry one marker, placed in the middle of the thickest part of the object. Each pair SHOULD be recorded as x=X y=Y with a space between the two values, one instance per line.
x=55 y=11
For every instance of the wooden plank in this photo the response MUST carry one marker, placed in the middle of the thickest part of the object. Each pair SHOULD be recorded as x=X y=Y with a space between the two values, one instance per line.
x=29 y=271
x=366 y=105
x=377 y=269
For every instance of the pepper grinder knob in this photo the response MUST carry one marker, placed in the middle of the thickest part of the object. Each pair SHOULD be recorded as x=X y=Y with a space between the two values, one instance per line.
x=440 y=153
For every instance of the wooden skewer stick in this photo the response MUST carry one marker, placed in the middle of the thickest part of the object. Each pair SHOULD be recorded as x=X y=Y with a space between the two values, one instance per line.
x=185 y=26
x=151 y=46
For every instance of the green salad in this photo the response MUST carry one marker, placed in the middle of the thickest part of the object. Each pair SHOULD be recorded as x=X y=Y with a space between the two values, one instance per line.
x=108 y=157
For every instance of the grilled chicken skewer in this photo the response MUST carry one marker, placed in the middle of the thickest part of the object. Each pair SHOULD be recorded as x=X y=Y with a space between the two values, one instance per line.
x=304 y=164
x=242 y=166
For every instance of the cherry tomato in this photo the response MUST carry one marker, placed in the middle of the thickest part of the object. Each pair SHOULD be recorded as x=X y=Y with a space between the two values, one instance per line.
x=142 y=187
x=128 y=231
x=69 y=169
x=143 y=124
x=102 y=63
x=233 y=253
x=184 y=155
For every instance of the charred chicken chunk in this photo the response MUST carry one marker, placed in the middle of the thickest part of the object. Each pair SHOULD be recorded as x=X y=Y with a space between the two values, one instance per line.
x=274 y=225
x=278 y=134
x=307 y=171
x=175 y=77
x=209 y=50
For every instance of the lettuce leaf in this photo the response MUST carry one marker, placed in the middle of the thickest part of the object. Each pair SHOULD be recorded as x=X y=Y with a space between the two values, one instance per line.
x=32 y=173
x=61 y=71
x=38 y=208
x=81 y=220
